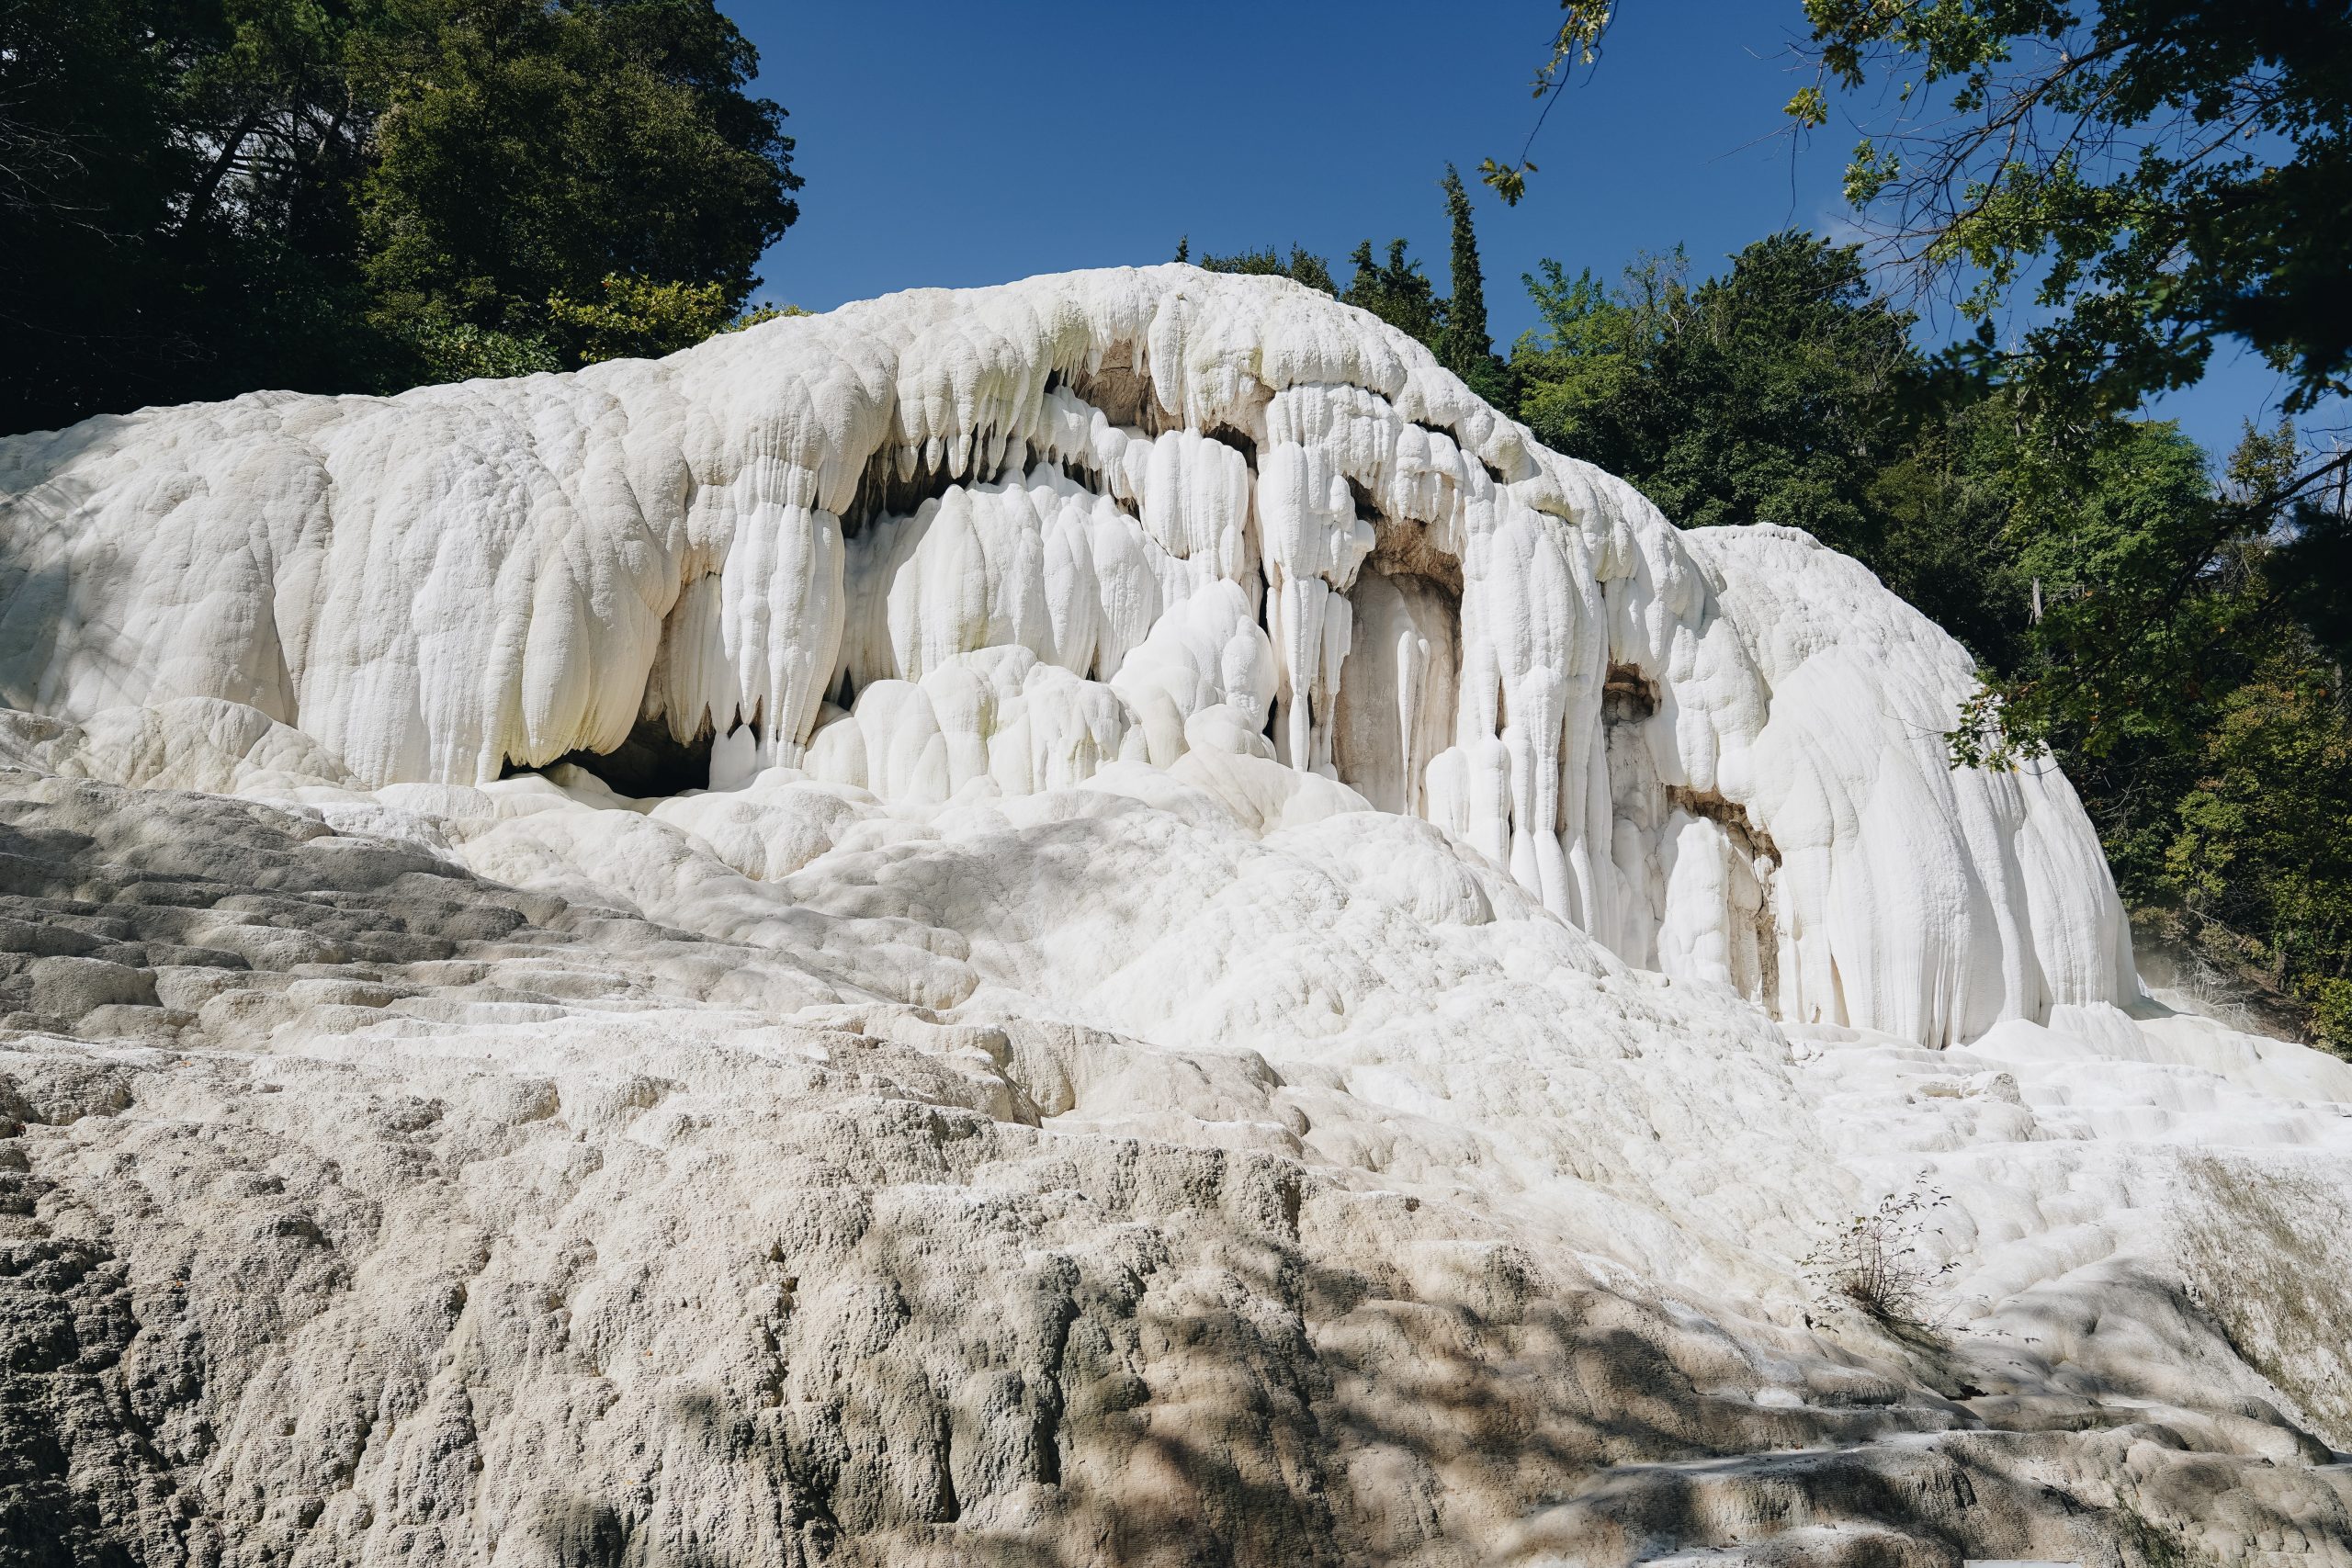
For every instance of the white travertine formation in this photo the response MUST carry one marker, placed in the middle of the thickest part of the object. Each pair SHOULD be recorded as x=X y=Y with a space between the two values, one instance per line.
x=1019 y=533
x=1188 y=1166
x=1208 y=1016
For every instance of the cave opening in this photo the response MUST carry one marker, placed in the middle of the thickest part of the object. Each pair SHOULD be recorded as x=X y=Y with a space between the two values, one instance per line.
x=1126 y=395
x=650 y=765
x=1397 y=686
x=1751 y=917
x=1225 y=436
x=882 y=492
x=1627 y=696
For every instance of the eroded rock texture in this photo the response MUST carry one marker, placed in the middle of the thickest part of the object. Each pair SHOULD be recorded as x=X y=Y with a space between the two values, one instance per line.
x=1275 y=974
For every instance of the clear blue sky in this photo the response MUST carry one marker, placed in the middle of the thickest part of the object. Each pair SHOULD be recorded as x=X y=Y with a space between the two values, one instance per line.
x=968 y=143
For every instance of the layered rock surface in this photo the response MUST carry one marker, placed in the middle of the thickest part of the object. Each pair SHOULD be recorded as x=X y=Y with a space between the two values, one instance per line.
x=1272 y=973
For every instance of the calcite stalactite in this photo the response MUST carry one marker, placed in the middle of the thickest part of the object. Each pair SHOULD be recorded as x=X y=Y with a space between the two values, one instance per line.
x=1015 y=534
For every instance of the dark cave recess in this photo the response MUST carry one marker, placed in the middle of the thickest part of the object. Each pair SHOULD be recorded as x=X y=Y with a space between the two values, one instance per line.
x=648 y=764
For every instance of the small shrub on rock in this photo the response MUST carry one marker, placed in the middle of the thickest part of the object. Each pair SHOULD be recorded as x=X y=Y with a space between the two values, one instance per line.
x=1874 y=1263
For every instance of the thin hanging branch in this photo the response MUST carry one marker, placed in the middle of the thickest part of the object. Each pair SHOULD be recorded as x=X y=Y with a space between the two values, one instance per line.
x=1578 y=42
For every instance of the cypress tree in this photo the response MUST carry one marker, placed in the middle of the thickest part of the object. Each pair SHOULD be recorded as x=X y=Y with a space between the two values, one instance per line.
x=1462 y=345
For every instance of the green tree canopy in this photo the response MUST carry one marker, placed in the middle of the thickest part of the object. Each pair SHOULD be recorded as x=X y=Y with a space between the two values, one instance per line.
x=2181 y=171
x=1395 y=288
x=613 y=137
x=2164 y=175
x=1772 y=394
x=209 y=195
x=1396 y=291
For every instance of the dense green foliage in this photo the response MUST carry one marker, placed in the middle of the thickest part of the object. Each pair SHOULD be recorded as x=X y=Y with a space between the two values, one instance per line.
x=2164 y=173
x=2180 y=167
x=1393 y=288
x=2257 y=853
x=204 y=197
x=1772 y=392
